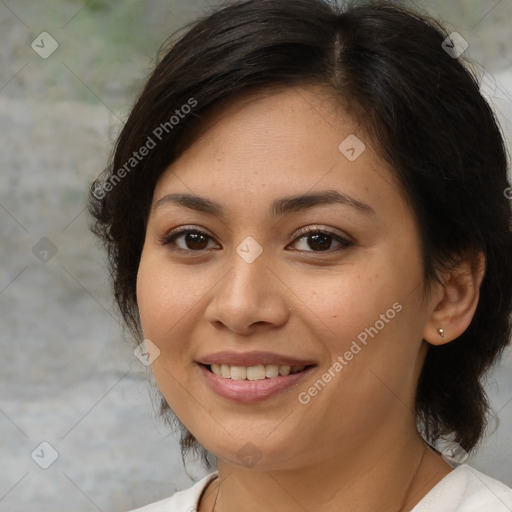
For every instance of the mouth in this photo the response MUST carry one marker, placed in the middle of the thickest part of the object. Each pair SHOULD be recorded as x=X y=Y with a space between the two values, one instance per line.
x=254 y=373
x=255 y=383
x=250 y=377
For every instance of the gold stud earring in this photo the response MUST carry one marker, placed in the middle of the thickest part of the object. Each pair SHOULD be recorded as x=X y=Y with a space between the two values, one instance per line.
x=441 y=332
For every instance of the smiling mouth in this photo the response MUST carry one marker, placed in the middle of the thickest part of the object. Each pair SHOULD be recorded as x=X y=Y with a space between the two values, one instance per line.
x=257 y=372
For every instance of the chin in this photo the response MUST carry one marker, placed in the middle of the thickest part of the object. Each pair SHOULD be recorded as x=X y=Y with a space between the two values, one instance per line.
x=255 y=451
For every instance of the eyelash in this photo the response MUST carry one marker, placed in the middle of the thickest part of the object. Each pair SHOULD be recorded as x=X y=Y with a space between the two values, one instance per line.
x=170 y=238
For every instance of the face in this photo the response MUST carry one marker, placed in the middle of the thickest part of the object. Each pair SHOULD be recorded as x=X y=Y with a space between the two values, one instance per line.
x=271 y=250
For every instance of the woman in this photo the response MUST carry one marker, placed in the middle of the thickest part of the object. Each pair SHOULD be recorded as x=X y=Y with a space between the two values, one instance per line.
x=306 y=220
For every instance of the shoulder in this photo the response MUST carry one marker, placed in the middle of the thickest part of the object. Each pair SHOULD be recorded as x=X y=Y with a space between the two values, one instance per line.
x=466 y=489
x=181 y=501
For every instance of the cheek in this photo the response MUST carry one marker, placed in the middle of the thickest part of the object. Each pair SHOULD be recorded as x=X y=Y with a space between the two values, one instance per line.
x=164 y=308
x=164 y=296
x=346 y=301
x=373 y=316
x=171 y=300
x=151 y=298
x=161 y=305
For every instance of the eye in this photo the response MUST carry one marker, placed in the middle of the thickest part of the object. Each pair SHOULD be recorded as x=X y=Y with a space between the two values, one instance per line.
x=320 y=239
x=192 y=240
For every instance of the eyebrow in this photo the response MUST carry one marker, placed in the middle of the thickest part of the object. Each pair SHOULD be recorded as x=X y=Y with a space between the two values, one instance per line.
x=280 y=207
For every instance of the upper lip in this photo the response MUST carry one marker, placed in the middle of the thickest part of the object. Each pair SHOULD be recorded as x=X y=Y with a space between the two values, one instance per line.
x=253 y=359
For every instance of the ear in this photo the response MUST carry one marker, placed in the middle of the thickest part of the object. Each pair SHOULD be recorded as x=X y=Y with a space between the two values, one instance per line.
x=454 y=302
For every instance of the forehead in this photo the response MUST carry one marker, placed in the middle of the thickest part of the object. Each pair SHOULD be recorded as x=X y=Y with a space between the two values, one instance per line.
x=300 y=113
x=275 y=143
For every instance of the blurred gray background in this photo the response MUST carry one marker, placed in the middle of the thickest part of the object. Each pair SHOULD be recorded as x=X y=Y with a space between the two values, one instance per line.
x=68 y=373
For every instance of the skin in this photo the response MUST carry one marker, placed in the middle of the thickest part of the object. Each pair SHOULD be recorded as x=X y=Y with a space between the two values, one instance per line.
x=354 y=446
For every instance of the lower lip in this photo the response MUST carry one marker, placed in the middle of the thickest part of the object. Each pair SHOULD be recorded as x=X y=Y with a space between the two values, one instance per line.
x=251 y=391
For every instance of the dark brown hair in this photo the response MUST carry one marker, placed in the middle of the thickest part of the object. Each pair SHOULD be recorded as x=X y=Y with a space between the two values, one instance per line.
x=418 y=104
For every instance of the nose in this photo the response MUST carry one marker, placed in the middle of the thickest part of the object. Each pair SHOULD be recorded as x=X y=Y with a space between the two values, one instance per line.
x=248 y=298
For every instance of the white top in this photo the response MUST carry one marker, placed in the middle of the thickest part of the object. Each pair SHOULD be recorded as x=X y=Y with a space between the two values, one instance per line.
x=462 y=490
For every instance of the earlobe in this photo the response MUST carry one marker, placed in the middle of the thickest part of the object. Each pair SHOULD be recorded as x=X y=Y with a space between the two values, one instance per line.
x=436 y=335
x=460 y=292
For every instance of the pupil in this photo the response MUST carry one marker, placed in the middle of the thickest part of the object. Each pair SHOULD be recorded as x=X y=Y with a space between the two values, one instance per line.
x=322 y=241
x=193 y=241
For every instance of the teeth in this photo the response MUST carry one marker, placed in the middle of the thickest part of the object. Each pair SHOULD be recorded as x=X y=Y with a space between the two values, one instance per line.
x=238 y=372
x=258 y=372
x=284 y=370
x=271 y=370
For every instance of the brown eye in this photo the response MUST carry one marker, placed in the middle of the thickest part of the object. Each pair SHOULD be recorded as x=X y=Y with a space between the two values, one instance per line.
x=321 y=240
x=190 y=239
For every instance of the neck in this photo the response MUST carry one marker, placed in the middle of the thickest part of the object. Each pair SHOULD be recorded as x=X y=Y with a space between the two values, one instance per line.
x=394 y=479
